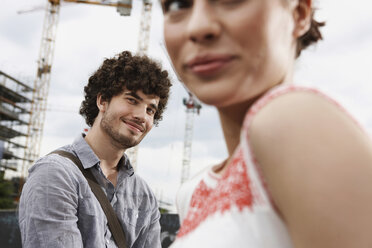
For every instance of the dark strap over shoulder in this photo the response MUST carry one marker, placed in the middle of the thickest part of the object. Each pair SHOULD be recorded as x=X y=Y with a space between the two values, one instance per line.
x=112 y=219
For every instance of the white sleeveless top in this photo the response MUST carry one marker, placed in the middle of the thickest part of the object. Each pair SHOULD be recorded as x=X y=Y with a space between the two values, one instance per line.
x=233 y=209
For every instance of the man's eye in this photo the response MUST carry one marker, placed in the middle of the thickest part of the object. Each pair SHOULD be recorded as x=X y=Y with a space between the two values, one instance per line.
x=131 y=100
x=175 y=5
x=150 y=111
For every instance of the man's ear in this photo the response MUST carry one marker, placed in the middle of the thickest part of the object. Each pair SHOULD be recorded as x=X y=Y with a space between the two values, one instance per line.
x=302 y=15
x=101 y=103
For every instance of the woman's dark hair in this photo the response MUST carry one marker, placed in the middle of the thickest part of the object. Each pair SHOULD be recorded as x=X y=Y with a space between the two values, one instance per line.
x=130 y=72
x=312 y=36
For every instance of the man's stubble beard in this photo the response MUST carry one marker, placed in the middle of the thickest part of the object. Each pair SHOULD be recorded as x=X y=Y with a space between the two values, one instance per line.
x=122 y=140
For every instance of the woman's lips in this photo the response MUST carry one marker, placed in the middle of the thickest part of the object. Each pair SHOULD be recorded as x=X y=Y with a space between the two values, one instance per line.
x=208 y=66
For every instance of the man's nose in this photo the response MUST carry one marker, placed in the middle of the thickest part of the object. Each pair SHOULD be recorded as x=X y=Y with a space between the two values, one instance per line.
x=139 y=113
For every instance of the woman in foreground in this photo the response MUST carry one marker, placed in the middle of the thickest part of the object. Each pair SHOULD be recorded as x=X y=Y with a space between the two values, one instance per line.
x=299 y=170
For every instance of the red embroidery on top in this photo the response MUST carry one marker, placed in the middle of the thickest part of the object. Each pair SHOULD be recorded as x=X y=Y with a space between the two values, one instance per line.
x=232 y=189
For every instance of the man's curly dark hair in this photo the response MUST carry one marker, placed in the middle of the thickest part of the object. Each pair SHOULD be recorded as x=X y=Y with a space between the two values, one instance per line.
x=125 y=71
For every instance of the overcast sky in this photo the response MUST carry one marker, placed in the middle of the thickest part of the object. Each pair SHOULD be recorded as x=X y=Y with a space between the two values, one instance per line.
x=341 y=65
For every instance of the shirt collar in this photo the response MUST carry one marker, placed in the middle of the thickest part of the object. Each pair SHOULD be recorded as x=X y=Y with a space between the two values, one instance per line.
x=83 y=151
x=89 y=159
x=125 y=164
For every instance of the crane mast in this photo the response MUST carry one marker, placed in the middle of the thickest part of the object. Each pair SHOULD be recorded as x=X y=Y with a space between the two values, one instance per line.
x=192 y=107
x=41 y=83
x=145 y=27
x=143 y=44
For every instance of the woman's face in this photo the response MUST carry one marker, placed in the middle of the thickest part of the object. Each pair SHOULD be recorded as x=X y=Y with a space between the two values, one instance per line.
x=229 y=51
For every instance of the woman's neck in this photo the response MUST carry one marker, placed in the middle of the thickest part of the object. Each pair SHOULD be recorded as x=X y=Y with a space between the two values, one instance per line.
x=232 y=118
x=231 y=131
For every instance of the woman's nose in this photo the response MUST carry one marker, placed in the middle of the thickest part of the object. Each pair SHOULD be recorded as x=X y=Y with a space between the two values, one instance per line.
x=203 y=24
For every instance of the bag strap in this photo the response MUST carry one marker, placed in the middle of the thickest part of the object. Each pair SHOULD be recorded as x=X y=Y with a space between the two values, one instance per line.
x=112 y=219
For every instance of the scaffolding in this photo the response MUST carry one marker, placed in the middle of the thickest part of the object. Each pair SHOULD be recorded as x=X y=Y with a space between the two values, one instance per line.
x=15 y=109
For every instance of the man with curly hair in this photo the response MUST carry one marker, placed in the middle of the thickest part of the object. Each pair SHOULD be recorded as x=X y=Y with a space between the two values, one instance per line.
x=124 y=98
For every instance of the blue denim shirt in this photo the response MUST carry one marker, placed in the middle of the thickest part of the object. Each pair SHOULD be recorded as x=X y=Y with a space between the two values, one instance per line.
x=58 y=209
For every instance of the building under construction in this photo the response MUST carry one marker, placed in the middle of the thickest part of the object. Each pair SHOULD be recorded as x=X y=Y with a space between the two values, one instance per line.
x=15 y=105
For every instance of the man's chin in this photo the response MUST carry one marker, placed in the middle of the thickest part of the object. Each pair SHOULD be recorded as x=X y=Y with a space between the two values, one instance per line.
x=129 y=143
x=132 y=145
x=125 y=142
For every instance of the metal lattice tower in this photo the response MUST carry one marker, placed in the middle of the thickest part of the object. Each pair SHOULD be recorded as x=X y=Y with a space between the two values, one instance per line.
x=145 y=27
x=143 y=44
x=192 y=107
x=41 y=84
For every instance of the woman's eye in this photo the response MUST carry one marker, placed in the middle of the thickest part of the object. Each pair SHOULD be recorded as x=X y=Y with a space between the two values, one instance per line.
x=175 y=5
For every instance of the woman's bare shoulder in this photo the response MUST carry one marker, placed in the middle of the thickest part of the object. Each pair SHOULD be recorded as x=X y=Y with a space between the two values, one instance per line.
x=317 y=164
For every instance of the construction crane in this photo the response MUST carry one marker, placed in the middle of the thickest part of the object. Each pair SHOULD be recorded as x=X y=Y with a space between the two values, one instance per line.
x=192 y=107
x=42 y=80
x=41 y=85
x=143 y=44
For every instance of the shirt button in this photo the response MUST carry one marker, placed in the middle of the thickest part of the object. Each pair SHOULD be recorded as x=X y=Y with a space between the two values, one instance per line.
x=107 y=241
